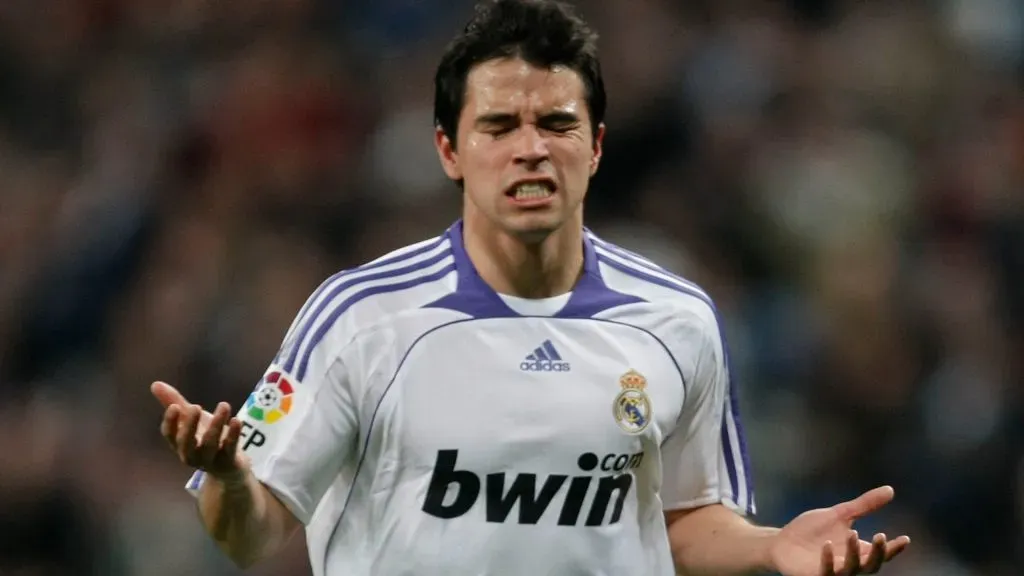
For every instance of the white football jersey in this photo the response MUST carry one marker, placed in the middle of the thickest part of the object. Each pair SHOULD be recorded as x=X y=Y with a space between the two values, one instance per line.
x=419 y=423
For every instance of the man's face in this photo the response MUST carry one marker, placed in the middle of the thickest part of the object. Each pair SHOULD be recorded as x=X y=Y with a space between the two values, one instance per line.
x=525 y=147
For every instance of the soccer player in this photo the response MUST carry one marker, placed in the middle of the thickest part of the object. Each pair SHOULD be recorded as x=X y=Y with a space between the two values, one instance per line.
x=515 y=396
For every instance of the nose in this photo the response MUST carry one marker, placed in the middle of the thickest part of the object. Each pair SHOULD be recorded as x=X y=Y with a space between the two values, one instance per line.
x=531 y=146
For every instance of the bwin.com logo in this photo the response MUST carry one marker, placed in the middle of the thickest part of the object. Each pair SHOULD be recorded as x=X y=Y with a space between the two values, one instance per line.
x=544 y=359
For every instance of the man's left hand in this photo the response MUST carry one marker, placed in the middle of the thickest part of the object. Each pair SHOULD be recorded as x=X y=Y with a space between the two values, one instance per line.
x=823 y=543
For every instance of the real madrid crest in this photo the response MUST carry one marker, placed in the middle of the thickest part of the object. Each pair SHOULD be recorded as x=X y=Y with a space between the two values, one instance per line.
x=632 y=406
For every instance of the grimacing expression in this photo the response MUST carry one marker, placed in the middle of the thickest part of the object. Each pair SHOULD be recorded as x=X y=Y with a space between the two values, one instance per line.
x=525 y=146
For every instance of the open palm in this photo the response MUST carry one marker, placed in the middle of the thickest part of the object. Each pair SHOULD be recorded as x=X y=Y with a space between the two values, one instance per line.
x=204 y=440
x=822 y=542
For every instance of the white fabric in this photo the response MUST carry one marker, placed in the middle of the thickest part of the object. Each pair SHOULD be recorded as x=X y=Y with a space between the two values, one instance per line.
x=423 y=440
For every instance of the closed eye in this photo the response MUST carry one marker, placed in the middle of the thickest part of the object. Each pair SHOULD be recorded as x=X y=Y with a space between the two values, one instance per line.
x=500 y=124
x=560 y=128
x=499 y=130
x=496 y=124
x=559 y=122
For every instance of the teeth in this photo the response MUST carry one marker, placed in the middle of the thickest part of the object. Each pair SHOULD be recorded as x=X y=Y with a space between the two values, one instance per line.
x=532 y=191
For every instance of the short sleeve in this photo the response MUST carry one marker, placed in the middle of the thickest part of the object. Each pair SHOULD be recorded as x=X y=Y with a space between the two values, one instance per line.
x=298 y=432
x=705 y=458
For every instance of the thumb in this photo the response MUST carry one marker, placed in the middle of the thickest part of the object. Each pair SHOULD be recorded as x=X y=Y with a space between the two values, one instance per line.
x=866 y=503
x=167 y=394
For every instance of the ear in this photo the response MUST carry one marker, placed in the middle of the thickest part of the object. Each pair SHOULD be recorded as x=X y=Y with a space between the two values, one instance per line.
x=447 y=154
x=595 y=160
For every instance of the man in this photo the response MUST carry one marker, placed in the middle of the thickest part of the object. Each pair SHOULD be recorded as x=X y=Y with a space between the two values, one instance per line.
x=515 y=396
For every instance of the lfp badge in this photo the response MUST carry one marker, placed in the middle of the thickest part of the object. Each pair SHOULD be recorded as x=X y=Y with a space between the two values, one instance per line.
x=271 y=400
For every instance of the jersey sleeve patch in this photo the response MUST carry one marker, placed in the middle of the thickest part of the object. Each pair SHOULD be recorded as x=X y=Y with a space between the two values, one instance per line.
x=264 y=415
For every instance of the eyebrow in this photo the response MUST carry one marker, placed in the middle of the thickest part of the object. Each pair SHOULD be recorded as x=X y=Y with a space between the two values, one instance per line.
x=505 y=118
x=559 y=117
x=496 y=119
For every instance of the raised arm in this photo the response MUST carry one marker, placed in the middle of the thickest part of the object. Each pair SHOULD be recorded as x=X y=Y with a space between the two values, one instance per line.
x=242 y=516
x=708 y=489
x=716 y=540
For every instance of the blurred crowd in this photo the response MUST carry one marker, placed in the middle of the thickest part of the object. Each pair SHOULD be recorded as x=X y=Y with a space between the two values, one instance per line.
x=844 y=177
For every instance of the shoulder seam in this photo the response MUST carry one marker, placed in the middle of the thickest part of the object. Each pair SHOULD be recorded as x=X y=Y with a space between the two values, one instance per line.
x=367 y=292
x=345 y=289
x=394 y=257
x=642 y=269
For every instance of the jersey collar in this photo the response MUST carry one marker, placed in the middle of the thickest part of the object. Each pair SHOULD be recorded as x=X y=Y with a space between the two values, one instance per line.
x=473 y=296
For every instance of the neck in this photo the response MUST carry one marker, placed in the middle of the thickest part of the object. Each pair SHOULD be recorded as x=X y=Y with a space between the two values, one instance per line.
x=528 y=269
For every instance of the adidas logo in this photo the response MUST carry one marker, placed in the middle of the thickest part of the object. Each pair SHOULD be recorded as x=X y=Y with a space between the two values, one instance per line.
x=544 y=359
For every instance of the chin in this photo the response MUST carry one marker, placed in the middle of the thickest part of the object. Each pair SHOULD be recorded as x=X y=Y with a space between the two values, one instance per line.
x=532 y=228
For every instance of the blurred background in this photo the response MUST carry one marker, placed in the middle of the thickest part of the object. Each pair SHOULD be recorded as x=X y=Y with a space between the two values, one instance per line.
x=844 y=177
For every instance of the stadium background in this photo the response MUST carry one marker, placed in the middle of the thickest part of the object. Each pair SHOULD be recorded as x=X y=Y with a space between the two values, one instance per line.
x=844 y=177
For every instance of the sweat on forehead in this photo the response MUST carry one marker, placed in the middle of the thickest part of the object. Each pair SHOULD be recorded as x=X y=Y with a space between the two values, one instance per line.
x=516 y=84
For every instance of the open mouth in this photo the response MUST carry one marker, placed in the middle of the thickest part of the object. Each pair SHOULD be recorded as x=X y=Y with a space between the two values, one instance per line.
x=531 y=191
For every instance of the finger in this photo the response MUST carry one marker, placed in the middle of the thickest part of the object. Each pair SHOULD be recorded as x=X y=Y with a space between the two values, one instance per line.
x=872 y=561
x=851 y=565
x=827 y=560
x=229 y=449
x=225 y=431
x=895 y=547
x=186 y=437
x=231 y=435
x=167 y=394
x=215 y=426
x=204 y=420
x=169 y=425
x=209 y=439
x=866 y=503
x=865 y=551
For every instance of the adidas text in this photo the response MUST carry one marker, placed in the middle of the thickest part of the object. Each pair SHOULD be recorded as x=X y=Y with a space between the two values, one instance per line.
x=543 y=366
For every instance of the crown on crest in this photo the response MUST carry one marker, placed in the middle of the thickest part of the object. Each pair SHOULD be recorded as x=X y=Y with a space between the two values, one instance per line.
x=632 y=380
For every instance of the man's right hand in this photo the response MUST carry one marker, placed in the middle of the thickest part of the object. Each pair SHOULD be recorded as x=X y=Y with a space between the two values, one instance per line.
x=203 y=440
x=244 y=518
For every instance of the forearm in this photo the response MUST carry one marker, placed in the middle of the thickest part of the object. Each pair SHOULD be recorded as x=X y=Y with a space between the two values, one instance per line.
x=715 y=541
x=245 y=520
